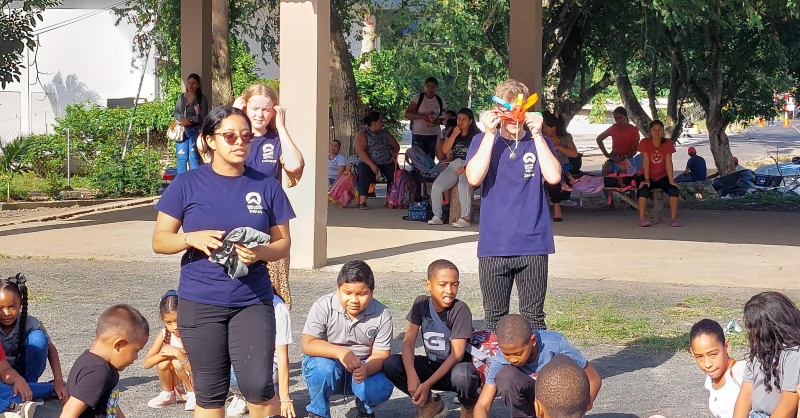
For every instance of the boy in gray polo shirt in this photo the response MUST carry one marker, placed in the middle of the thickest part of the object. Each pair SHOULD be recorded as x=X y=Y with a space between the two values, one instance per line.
x=347 y=336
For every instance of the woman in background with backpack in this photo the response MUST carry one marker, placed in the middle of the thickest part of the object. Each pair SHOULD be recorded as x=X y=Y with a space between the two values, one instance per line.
x=190 y=110
x=377 y=149
x=425 y=113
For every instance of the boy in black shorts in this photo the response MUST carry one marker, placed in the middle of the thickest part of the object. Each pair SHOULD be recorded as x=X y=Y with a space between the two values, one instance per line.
x=447 y=364
x=121 y=333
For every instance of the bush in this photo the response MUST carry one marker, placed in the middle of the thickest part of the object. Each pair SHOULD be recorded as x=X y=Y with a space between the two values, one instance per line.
x=138 y=175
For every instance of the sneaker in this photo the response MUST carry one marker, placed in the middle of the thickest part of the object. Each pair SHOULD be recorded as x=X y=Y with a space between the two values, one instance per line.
x=467 y=411
x=460 y=223
x=191 y=402
x=675 y=223
x=433 y=409
x=436 y=221
x=20 y=410
x=237 y=407
x=644 y=223
x=568 y=203
x=163 y=399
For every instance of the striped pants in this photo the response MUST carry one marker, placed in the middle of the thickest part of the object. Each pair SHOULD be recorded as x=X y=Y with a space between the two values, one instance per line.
x=498 y=275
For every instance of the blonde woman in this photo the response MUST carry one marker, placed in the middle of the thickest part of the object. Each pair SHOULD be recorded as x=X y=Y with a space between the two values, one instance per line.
x=272 y=148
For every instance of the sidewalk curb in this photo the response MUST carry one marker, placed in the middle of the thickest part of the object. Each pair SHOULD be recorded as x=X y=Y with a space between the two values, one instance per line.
x=84 y=211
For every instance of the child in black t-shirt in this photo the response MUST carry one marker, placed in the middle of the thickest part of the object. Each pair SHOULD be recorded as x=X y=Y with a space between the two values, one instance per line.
x=446 y=365
x=121 y=333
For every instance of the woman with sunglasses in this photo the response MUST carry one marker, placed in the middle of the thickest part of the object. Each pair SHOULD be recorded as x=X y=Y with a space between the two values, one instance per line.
x=272 y=149
x=225 y=321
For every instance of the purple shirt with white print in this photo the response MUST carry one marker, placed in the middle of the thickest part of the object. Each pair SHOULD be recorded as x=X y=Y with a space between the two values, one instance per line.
x=515 y=219
x=265 y=155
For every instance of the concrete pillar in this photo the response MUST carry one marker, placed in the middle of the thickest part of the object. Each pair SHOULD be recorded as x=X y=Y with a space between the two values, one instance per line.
x=304 y=76
x=196 y=42
x=525 y=44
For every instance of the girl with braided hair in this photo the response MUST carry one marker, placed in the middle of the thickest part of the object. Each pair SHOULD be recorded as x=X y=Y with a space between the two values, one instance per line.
x=25 y=341
x=170 y=359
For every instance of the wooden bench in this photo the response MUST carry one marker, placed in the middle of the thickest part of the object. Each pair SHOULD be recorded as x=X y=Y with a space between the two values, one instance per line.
x=658 y=203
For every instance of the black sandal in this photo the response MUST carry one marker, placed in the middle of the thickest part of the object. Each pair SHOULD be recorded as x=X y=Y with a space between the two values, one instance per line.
x=558 y=219
x=363 y=206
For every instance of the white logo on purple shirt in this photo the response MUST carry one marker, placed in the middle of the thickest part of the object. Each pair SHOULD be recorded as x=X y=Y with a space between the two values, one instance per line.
x=268 y=153
x=253 y=200
x=529 y=159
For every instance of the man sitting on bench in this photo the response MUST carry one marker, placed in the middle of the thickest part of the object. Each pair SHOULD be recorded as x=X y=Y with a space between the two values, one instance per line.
x=656 y=172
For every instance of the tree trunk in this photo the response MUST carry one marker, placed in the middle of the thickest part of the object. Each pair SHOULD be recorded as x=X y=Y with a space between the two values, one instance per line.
x=718 y=139
x=343 y=91
x=635 y=110
x=674 y=115
x=221 y=87
x=651 y=89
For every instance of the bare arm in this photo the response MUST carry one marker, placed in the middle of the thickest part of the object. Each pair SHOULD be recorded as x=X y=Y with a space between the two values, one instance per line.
x=279 y=243
x=478 y=165
x=154 y=355
x=744 y=402
x=409 y=341
x=670 y=167
x=411 y=113
x=10 y=377
x=341 y=170
x=292 y=157
x=601 y=145
x=58 y=374
x=315 y=347
x=570 y=150
x=787 y=406
x=485 y=401
x=167 y=240
x=282 y=351
x=394 y=145
x=457 y=348
x=73 y=408
x=447 y=146
x=594 y=383
x=646 y=165
x=634 y=146
x=374 y=363
x=361 y=149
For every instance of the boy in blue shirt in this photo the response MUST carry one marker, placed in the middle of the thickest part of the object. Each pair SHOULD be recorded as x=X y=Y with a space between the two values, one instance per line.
x=524 y=353
x=347 y=336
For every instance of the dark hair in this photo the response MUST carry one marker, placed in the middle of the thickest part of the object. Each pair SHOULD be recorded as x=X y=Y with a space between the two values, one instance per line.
x=513 y=328
x=452 y=113
x=432 y=80
x=337 y=141
x=621 y=111
x=356 y=272
x=473 y=127
x=773 y=325
x=16 y=285
x=168 y=304
x=657 y=122
x=215 y=117
x=199 y=92
x=439 y=265
x=123 y=320
x=707 y=327
x=451 y=123
x=372 y=117
x=555 y=121
x=563 y=388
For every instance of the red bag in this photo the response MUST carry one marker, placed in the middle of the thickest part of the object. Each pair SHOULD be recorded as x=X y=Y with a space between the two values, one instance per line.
x=483 y=347
x=342 y=190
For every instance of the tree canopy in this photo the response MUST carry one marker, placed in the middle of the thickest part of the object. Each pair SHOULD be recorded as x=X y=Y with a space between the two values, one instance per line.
x=17 y=33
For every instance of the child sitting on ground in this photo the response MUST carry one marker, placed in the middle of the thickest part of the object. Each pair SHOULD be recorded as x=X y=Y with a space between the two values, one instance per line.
x=562 y=389
x=169 y=357
x=26 y=343
x=447 y=364
x=347 y=336
x=769 y=385
x=513 y=374
x=280 y=365
x=92 y=385
x=723 y=374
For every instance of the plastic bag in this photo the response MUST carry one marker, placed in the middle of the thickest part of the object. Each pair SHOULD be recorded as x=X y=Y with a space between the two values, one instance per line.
x=343 y=190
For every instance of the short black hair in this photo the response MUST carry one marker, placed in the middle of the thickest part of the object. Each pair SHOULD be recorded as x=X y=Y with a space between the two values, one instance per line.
x=356 y=271
x=621 y=111
x=372 y=117
x=432 y=80
x=512 y=329
x=656 y=123
x=438 y=265
x=707 y=327
x=563 y=388
x=452 y=113
x=123 y=320
x=337 y=141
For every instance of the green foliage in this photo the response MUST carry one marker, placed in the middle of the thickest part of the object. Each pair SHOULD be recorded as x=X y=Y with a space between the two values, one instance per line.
x=11 y=161
x=598 y=112
x=138 y=175
x=17 y=26
x=380 y=88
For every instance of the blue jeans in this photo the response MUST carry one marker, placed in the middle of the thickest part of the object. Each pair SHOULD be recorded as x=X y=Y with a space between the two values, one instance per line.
x=186 y=151
x=426 y=142
x=36 y=350
x=326 y=377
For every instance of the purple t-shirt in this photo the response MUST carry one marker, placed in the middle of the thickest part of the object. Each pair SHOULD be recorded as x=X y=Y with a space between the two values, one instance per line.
x=265 y=155
x=514 y=219
x=204 y=200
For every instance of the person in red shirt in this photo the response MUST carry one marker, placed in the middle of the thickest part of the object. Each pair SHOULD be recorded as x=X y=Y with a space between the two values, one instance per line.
x=657 y=171
x=624 y=136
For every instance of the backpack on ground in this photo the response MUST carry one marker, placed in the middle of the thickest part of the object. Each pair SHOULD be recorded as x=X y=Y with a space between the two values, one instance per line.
x=482 y=346
x=402 y=192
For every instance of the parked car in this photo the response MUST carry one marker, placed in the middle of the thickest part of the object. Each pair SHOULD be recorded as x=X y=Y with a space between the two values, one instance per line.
x=783 y=177
x=166 y=179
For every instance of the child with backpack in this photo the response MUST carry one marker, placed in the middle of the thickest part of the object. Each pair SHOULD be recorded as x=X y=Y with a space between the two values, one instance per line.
x=723 y=374
x=447 y=363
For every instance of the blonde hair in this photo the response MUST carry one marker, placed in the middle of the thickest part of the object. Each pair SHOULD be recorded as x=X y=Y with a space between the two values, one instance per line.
x=259 y=89
x=510 y=89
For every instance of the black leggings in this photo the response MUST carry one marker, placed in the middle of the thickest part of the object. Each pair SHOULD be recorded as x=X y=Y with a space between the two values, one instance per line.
x=662 y=184
x=366 y=176
x=463 y=379
x=216 y=337
x=554 y=190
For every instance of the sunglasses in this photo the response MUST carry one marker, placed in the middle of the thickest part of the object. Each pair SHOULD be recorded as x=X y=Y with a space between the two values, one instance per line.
x=230 y=137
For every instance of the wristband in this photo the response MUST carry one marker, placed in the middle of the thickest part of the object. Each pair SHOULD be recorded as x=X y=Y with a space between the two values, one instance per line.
x=286 y=400
x=184 y=363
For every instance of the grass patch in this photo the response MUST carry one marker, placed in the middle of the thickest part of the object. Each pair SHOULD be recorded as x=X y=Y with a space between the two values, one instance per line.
x=39 y=297
x=754 y=164
x=606 y=318
x=4 y=256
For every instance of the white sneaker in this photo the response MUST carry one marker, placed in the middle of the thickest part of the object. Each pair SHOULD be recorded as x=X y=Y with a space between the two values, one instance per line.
x=163 y=399
x=436 y=221
x=237 y=407
x=568 y=203
x=461 y=223
x=190 y=401
x=21 y=410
